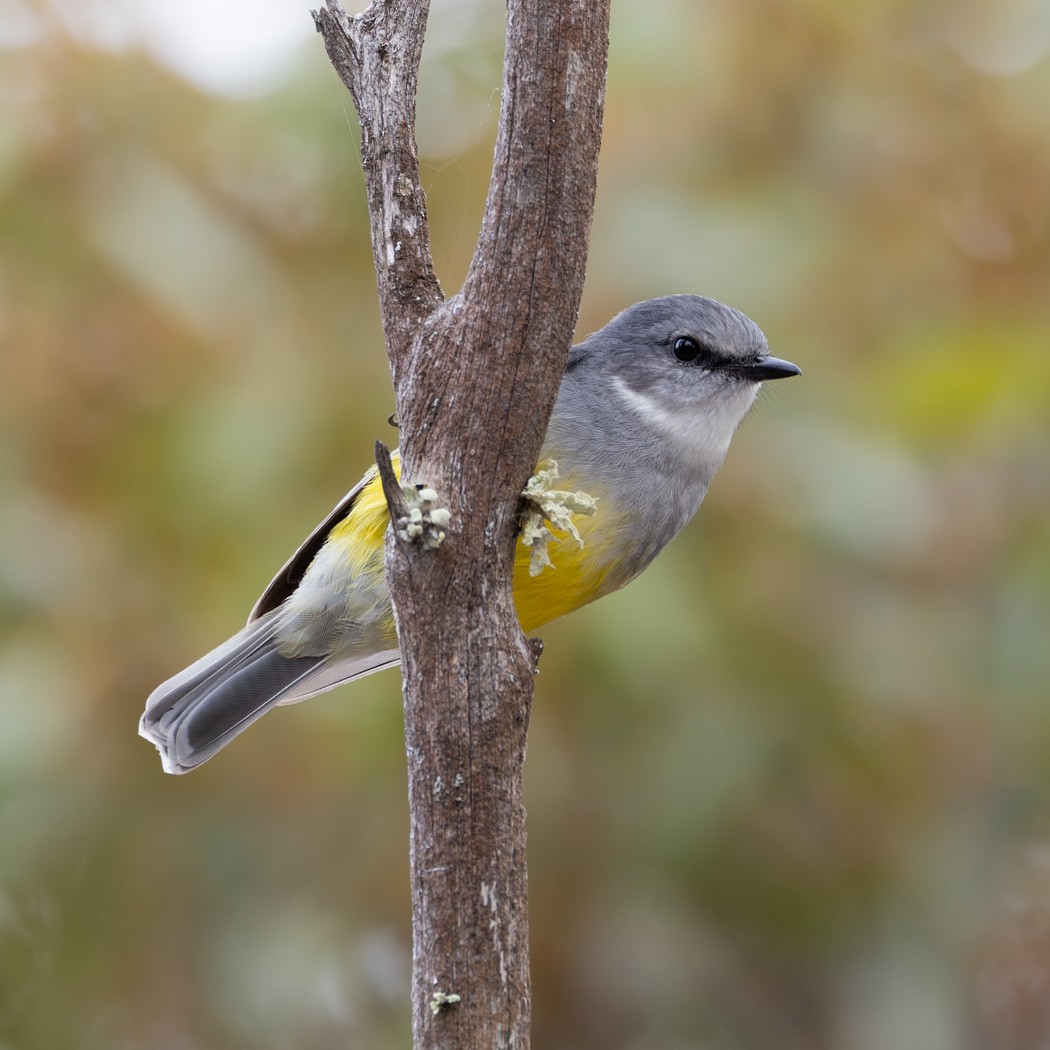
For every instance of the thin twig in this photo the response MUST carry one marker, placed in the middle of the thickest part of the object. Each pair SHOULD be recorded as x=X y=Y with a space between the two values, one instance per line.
x=395 y=498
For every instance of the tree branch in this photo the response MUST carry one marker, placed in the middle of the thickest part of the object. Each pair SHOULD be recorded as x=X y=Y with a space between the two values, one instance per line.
x=376 y=55
x=475 y=380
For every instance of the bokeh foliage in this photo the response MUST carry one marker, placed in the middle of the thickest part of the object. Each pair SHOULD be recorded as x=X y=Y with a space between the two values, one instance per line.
x=789 y=790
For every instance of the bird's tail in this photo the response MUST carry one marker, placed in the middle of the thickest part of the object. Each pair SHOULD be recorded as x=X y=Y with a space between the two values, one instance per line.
x=199 y=711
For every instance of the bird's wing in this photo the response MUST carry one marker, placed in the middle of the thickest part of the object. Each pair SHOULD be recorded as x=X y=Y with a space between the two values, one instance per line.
x=286 y=581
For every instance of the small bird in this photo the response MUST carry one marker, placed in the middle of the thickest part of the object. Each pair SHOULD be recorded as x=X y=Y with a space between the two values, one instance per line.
x=642 y=421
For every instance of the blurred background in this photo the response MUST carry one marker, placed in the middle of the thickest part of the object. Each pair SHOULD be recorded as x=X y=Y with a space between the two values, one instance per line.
x=791 y=789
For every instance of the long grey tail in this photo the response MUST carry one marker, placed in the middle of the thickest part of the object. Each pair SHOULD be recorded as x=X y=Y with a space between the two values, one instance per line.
x=199 y=711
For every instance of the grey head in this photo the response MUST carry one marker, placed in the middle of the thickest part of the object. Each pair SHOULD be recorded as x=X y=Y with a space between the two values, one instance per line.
x=648 y=406
x=676 y=374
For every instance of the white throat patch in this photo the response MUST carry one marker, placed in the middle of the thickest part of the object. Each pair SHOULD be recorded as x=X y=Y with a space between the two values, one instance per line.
x=705 y=434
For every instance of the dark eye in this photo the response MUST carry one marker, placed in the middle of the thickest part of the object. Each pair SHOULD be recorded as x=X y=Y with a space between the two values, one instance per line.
x=686 y=349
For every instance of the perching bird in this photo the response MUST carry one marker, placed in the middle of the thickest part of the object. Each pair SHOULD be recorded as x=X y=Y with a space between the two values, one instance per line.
x=642 y=421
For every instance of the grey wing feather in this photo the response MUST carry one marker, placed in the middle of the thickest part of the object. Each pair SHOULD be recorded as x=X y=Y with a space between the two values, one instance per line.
x=283 y=585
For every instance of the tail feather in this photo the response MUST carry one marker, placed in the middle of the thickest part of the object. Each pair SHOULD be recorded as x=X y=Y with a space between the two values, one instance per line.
x=171 y=698
x=339 y=672
x=195 y=714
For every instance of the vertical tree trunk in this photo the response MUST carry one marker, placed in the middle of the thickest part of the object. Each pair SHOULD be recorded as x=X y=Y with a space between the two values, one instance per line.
x=475 y=379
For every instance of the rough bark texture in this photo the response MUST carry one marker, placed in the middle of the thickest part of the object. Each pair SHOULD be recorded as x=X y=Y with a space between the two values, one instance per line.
x=475 y=379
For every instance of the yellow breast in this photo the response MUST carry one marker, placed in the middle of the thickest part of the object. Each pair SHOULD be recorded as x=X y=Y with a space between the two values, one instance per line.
x=577 y=576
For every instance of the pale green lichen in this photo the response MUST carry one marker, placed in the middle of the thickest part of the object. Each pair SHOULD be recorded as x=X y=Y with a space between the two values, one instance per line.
x=424 y=523
x=440 y=516
x=556 y=506
x=439 y=1000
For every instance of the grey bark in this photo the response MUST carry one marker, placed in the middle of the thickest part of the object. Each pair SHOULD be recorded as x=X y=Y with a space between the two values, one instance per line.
x=475 y=378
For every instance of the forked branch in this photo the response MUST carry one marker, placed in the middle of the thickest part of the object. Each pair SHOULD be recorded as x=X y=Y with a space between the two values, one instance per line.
x=475 y=379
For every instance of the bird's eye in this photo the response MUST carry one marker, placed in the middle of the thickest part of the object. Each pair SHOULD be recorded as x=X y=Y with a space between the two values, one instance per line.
x=686 y=349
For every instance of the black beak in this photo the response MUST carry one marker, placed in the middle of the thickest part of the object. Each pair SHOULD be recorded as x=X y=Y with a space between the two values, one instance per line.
x=763 y=369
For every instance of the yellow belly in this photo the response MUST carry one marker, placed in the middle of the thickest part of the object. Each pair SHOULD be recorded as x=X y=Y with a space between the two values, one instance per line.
x=577 y=576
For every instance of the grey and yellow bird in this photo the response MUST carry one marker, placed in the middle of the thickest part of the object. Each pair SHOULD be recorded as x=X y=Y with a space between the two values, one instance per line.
x=643 y=420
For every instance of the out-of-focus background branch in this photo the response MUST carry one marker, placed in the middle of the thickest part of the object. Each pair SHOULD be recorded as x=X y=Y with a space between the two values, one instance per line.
x=788 y=790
